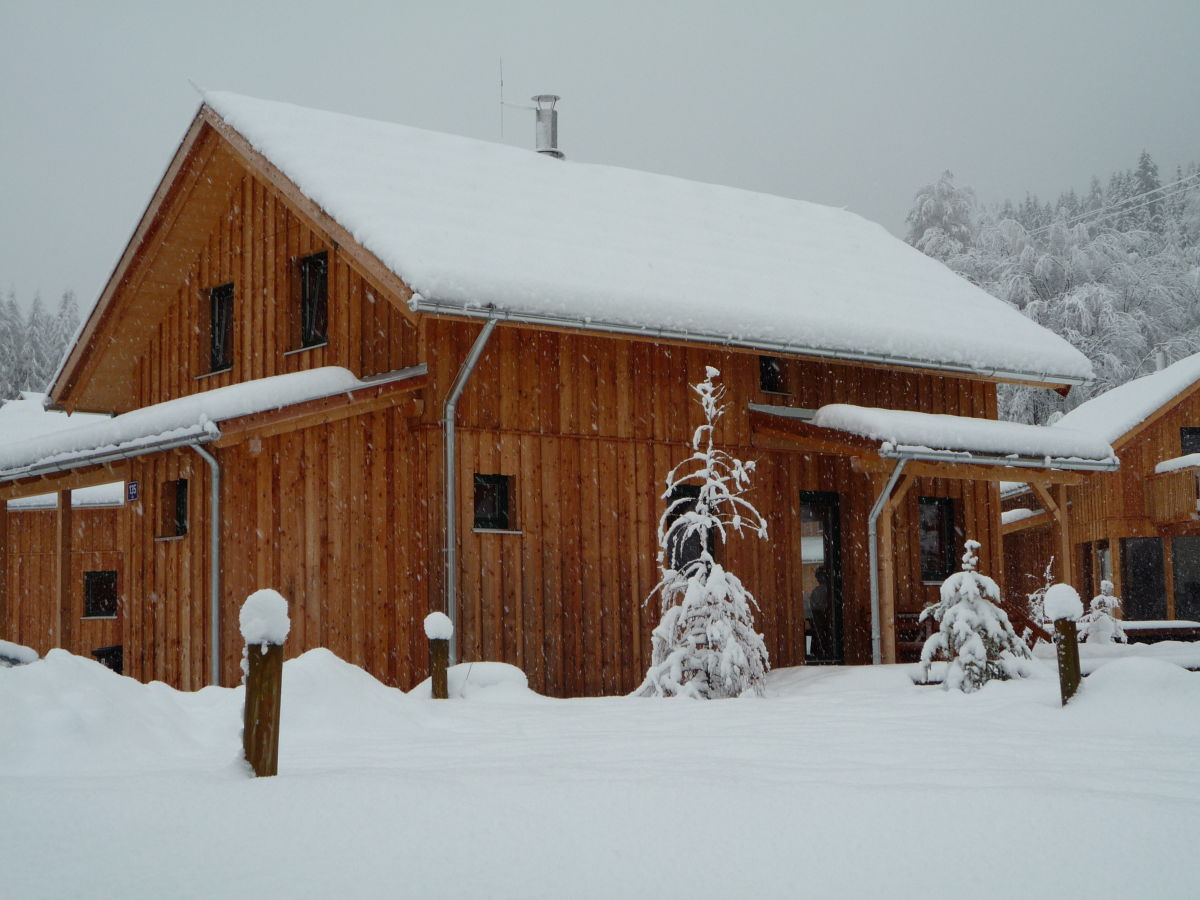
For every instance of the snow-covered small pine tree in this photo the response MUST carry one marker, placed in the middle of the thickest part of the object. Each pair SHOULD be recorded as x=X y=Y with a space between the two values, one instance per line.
x=1099 y=625
x=705 y=644
x=1037 y=599
x=975 y=634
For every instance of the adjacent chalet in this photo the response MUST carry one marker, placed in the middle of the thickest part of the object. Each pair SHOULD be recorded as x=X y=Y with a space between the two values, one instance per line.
x=387 y=371
x=1138 y=527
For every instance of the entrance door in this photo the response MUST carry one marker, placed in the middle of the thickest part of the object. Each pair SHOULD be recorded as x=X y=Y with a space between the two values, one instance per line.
x=1142 y=581
x=820 y=549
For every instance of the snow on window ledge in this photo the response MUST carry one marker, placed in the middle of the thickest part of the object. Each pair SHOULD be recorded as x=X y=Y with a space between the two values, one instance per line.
x=497 y=531
x=296 y=350
x=204 y=375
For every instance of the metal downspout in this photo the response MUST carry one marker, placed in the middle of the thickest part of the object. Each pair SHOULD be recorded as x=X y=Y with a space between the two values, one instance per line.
x=873 y=547
x=450 y=462
x=214 y=564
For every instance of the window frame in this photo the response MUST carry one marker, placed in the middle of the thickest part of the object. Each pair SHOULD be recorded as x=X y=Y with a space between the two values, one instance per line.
x=937 y=570
x=1189 y=434
x=503 y=516
x=173 y=509
x=675 y=555
x=312 y=302
x=91 y=579
x=772 y=375
x=220 y=327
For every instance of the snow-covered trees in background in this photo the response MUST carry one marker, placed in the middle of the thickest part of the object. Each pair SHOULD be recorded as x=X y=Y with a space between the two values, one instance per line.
x=1115 y=272
x=31 y=346
x=1099 y=625
x=975 y=635
x=705 y=644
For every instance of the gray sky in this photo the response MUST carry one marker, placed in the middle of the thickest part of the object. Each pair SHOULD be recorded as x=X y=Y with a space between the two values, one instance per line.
x=849 y=104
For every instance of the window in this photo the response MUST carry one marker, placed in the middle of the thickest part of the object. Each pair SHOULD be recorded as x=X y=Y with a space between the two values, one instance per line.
x=1189 y=441
x=681 y=549
x=314 y=299
x=771 y=376
x=99 y=594
x=220 y=328
x=937 y=538
x=492 y=509
x=111 y=657
x=174 y=510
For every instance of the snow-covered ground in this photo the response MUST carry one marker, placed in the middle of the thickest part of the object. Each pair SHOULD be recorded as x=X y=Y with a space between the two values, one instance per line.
x=843 y=782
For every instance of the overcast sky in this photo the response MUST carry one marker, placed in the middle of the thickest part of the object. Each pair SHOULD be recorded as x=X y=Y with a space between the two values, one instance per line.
x=848 y=104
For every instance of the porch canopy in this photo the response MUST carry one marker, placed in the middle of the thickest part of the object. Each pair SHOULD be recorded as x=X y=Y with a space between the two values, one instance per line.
x=895 y=447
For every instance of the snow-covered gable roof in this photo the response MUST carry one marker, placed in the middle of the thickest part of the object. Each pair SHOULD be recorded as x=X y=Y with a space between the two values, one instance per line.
x=174 y=422
x=1116 y=412
x=468 y=224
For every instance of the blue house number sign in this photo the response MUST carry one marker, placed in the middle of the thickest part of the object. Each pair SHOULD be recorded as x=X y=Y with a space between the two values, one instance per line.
x=131 y=491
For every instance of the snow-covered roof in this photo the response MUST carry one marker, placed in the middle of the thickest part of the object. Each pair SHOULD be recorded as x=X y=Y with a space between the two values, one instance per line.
x=469 y=224
x=1117 y=412
x=178 y=421
x=903 y=433
x=1178 y=463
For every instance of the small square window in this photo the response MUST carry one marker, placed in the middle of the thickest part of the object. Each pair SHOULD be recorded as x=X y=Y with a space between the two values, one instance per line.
x=1189 y=441
x=492 y=505
x=772 y=378
x=174 y=508
x=100 y=594
x=937 y=538
x=220 y=327
x=313 y=273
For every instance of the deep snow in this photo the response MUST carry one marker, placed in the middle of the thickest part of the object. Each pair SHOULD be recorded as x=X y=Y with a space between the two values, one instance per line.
x=842 y=782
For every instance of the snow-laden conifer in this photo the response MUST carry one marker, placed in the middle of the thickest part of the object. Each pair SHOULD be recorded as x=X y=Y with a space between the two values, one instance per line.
x=1037 y=599
x=975 y=634
x=705 y=644
x=1099 y=625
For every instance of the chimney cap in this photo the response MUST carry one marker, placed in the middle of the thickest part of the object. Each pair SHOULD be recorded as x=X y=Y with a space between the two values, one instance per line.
x=548 y=99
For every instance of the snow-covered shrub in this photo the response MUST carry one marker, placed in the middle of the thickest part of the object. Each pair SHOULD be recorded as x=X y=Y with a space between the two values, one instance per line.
x=1099 y=625
x=1037 y=598
x=705 y=644
x=975 y=634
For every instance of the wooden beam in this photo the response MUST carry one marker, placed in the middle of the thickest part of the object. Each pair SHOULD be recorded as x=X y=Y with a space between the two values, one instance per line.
x=1064 y=533
x=62 y=565
x=7 y=625
x=1037 y=520
x=71 y=479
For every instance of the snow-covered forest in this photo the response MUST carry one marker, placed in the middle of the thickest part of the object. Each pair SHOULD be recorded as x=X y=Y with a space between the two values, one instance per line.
x=31 y=345
x=1115 y=271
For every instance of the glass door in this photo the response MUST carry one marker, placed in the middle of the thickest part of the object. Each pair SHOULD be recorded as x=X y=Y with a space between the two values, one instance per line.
x=821 y=578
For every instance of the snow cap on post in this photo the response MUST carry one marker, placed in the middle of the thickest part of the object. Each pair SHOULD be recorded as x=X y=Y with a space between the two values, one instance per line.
x=264 y=618
x=438 y=627
x=1062 y=602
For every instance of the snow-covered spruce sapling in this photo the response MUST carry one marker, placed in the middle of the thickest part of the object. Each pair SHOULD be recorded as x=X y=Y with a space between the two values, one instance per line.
x=1037 y=598
x=975 y=635
x=1099 y=625
x=705 y=644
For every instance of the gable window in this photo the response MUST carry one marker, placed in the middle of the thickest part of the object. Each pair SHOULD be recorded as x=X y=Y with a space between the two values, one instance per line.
x=220 y=328
x=100 y=594
x=771 y=375
x=493 y=510
x=174 y=508
x=1189 y=441
x=684 y=548
x=313 y=273
x=937 y=538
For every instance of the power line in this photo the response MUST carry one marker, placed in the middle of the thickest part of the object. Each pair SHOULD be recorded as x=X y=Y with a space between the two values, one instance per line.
x=1121 y=205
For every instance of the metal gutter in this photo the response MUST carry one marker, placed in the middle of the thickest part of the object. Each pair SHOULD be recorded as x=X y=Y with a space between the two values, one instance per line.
x=450 y=481
x=419 y=303
x=1017 y=462
x=873 y=550
x=214 y=564
x=98 y=459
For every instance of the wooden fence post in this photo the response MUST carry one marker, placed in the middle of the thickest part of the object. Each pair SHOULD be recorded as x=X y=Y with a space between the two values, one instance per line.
x=265 y=625
x=439 y=629
x=1061 y=604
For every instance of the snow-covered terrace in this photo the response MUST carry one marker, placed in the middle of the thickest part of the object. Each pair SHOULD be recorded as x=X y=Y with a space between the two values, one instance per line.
x=194 y=419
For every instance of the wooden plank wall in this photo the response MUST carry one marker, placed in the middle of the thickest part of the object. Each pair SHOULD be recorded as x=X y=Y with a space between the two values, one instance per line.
x=32 y=620
x=254 y=244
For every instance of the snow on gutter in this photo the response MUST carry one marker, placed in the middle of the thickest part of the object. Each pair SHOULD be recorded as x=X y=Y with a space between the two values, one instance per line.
x=419 y=303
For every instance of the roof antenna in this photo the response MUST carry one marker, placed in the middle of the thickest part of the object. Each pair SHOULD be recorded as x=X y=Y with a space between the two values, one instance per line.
x=195 y=87
x=501 y=99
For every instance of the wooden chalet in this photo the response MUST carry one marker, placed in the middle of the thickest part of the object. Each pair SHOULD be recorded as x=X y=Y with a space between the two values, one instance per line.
x=386 y=372
x=1138 y=527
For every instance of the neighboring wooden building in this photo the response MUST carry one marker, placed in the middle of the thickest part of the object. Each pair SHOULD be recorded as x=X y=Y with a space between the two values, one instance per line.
x=1138 y=527
x=316 y=312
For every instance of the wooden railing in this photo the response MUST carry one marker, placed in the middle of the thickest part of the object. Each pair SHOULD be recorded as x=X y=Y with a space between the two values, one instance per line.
x=1171 y=497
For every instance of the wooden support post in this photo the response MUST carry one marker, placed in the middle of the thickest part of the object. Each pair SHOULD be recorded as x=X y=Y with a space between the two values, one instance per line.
x=1062 y=532
x=1066 y=640
x=264 y=691
x=62 y=566
x=439 y=665
x=7 y=624
x=887 y=569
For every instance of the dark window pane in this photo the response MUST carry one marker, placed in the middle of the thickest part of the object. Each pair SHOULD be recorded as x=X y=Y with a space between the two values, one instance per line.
x=770 y=375
x=937 y=538
x=112 y=657
x=220 y=327
x=314 y=300
x=1189 y=441
x=684 y=548
x=100 y=593
x=174 y=511
x=1185 y=552
x=181 y=506
x=491 y=502
x=1142 y=581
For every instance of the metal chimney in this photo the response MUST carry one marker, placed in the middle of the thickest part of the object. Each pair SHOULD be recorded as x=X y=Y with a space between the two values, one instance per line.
x=1160 y=358
x=547 y=124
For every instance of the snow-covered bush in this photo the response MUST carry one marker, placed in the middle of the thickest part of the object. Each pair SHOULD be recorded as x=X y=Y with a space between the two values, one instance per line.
x=1099 y=625
x=705 y=644
x=1037 y=599
x=975 y=634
